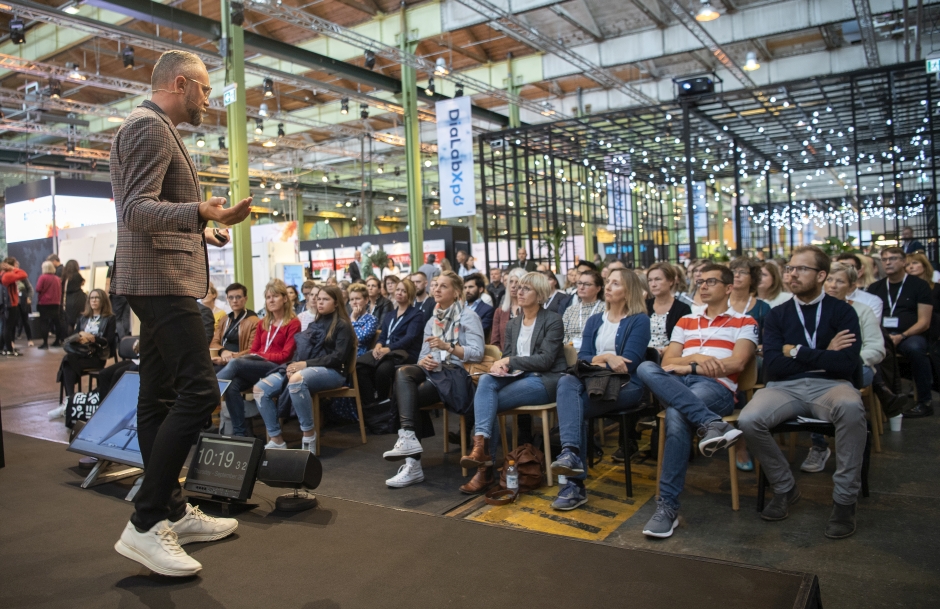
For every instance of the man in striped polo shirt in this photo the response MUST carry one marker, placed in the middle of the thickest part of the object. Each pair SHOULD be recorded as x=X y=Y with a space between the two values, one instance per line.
x=697 y=381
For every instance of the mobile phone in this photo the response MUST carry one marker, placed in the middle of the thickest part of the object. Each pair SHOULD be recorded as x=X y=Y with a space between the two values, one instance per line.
x=222 y=237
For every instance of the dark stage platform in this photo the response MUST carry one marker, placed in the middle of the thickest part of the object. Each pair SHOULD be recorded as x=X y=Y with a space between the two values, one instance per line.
x=56 y=551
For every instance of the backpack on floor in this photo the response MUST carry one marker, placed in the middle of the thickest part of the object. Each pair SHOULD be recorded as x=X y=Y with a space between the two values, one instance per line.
x=530 y=463
x=81 y=406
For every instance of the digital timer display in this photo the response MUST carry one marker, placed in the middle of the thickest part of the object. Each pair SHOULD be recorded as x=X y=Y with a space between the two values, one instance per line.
x=224 y=466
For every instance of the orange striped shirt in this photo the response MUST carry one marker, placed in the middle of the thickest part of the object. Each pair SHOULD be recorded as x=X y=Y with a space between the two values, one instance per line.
x=715 y=337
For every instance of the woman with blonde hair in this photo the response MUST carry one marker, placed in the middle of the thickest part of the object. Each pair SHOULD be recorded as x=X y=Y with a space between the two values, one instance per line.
x=770 y=289
x=866 y=275
x=272 y=347
x=211 y=301
x=617 y=339
x=534 y=347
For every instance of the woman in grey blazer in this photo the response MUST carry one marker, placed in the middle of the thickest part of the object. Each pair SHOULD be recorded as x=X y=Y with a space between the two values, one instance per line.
x=527 y=374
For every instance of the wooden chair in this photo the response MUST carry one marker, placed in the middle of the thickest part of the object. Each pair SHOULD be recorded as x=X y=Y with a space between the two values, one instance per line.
x=342 y=392
x=873 y=408
x=747 y=382
x=544 y=411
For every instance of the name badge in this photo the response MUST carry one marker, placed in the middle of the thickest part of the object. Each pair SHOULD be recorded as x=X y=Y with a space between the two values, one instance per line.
x=889 y=322
x=577 y=343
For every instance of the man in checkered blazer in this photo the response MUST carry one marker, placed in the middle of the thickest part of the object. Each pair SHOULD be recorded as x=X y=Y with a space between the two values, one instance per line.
x=161 y=267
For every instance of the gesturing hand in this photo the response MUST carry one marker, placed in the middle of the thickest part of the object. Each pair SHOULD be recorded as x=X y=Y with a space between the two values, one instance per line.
x=618 y=364
x=841 y=340
x=214 y=209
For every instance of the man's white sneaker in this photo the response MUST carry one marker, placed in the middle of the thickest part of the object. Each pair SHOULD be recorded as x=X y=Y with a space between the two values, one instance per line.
x=273 y=444
x=58 y=412
x=816 y=460
x=408 y=474
x=309 y=443
x=406 y=446
x=196 y=525
x=158 y=550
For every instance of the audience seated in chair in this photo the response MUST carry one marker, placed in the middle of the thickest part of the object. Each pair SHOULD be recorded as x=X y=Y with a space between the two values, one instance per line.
x=399 y=343
x=272 y=347
x=811 y=353
x=235 y=332
x=319 y=363
x=696 y=384
x=474 y=288
x=535 y=347
x=588 y=303
x=377 y=305
x=615 y=338
x=452 y=337
x=423 y=298
x=91 y=345
x=665 y=310
x=508 y=308
x=364 y=324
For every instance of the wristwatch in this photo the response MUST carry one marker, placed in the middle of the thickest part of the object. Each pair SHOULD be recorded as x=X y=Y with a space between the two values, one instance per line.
x=794 y=351
x=694 y=366
x=452 y=347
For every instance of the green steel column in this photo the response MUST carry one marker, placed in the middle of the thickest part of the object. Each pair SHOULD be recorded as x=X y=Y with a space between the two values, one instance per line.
x=234 y=40
x=299 y=212
x=582 y=206
x=512 y=89
x=409 y=90
x=672 y=250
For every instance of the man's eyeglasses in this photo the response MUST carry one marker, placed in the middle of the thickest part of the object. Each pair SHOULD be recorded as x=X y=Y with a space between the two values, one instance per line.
x=584 y=284
x=799 y=269
x=235 y=297
x=206 y=89
x=741 y=273
x=712 y=282
x=891 y=258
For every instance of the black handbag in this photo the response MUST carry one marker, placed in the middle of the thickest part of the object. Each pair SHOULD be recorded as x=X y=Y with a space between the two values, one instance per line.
x=74 y=347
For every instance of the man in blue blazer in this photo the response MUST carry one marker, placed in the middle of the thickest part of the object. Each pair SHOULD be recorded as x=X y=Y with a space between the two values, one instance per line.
x=474 y=287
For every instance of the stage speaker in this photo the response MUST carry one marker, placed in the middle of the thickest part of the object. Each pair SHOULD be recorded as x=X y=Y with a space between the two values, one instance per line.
x=295 y=469
x=696 y=86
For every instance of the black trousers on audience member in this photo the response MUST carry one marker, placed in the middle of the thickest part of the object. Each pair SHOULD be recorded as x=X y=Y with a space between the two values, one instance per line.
x=9 y=327
x=178 y=390
x=70 y=371
x=25 y=310
x=109 y=376
x=377 y=377
x=413 y=391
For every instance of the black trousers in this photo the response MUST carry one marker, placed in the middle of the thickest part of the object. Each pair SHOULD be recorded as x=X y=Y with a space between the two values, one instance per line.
x=9 y=328
x=71 y=370
x=377 y=377
x=122 y=316
x=25 y=310
x=413 y=392
x=49 y=318
x=178 y=390
x=108 y=377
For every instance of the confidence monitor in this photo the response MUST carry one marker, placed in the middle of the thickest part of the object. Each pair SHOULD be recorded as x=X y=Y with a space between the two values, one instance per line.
x=111 y=433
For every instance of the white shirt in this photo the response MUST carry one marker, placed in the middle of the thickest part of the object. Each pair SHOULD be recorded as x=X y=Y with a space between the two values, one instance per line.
x=876 y=304
x=524 y=344
x=306 y=318
x=781 y=298
x=486 y=298
x=463 y=272
x=606 y=341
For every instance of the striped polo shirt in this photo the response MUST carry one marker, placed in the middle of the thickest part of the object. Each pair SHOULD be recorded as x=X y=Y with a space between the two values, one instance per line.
x=716 y=337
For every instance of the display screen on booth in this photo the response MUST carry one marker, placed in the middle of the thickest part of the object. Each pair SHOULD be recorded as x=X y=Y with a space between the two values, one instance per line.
x=71 y=212
x=28 y=220
x=111 y=433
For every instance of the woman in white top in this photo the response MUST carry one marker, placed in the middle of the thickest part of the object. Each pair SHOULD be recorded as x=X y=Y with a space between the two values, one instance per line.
x=527 y=374
x=309 y=314
x=770 y=289
x=841 y=282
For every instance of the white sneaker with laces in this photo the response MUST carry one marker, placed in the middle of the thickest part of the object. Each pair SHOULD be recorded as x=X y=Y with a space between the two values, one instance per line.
x=196 y=525
x=816 y=460
x=273 y=444
x=158 y=550
x=408 y=474
x=309 y=443
x=58 y=412
x=406 y=446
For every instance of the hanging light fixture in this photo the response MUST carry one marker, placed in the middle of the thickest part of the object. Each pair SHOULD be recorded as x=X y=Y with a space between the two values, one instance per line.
x=440 y=66
x=380 y=169
x=344 y=106
x=200 y=141
x=17 y=31
x=238 y=13
x=430 y=90
x=364 y=111
x=221 y=142
x=263 y=110
x=259 y=126
x=458 y=90
x=127 y=56
x=55 y=89
x=751 y=64
x=268 y=88
x=280 y=130
x=370 y=59
x=706 y=12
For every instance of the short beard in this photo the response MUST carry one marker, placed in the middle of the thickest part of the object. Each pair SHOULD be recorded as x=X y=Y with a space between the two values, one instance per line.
x=195 y=116
x=472 y=300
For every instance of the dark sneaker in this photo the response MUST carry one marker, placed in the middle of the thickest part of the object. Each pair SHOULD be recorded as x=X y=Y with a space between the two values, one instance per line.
x=663 y=522
x=842 y=521
x=569 y=497
x=717 y=435
x=567 y=464
x=924 y=409
x=617 y=457
x=779 y=506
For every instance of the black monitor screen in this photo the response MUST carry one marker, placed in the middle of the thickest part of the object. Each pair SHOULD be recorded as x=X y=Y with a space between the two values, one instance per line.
x=111 y=433
x=224 y=466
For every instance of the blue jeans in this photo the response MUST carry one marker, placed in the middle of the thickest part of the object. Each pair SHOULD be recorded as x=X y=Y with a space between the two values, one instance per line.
x=314 y=380
x=243 y=373
x=691 y=401
x=914 y=348
x=266 y=391
x=819 y=440
x=574 y=407
x=495 y=394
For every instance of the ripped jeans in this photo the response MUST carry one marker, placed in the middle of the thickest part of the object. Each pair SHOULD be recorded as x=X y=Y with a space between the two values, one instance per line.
x=315 y=380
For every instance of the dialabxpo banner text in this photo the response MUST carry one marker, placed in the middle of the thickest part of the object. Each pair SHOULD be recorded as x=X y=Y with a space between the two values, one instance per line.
x=455 y=158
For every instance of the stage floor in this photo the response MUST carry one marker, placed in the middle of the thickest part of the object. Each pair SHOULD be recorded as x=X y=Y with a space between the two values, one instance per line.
x=57 y=540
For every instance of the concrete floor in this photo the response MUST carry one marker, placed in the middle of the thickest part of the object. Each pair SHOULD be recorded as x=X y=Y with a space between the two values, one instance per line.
x=892 y=561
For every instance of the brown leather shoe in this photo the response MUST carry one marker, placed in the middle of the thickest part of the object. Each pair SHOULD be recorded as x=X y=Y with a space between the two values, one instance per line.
x=479 y=456
x=479 y=483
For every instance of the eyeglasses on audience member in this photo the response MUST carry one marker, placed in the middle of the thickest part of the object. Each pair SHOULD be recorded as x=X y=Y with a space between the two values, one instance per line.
x=799 y=269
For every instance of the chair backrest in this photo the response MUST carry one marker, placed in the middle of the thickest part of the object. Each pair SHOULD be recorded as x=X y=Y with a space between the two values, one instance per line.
x=571 y=355
x=492 y=351
x=126 y=347
x=748 y=377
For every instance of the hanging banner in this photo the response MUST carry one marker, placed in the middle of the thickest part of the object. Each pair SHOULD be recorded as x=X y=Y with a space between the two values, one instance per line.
x=455 y=158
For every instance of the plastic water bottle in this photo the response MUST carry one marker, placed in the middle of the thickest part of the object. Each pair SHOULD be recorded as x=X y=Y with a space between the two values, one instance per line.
x=512 y=476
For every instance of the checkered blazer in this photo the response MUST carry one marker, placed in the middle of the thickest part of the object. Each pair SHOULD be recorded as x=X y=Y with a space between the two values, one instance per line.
x=161 y=250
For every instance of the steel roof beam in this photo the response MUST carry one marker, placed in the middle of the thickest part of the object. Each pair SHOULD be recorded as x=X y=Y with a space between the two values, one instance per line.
x=866 y=29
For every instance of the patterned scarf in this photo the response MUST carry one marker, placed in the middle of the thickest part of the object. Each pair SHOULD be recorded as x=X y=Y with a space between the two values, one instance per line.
x=446 y=324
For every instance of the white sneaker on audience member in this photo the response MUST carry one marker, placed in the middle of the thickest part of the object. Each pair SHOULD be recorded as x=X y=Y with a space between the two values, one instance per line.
x=59 y=411
x=816 y=460
x=309 y=443
x=408 y=474
x=157 y=549
x=199 y=526
x=406 y=446
x=273 y=444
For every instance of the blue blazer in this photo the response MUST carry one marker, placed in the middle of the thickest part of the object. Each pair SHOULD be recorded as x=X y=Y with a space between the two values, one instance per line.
x=633 y=337
x=485 y=312
x=409 y=332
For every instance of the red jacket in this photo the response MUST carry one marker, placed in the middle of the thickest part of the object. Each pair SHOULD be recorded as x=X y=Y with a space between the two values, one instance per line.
x=49 y=289
x=282 y=345
x=9 y=279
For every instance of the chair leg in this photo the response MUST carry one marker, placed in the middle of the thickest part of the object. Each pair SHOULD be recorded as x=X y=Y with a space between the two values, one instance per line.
x=873 y=419
x=866 y=462
x=589 y=458
x=627 y=465
x=662 y=449
x=548 y=446
x=515 y=431
x=761 y=489
x=502 y=433
x=446 y=430
x=316 y=421
x=791 y=454
x=600 y=429
x=733 y=472
x=463 y=440
x=362 y=421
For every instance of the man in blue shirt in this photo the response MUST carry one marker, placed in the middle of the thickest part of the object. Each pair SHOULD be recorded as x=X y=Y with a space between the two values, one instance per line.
x=473 y=286
x=812 y=351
